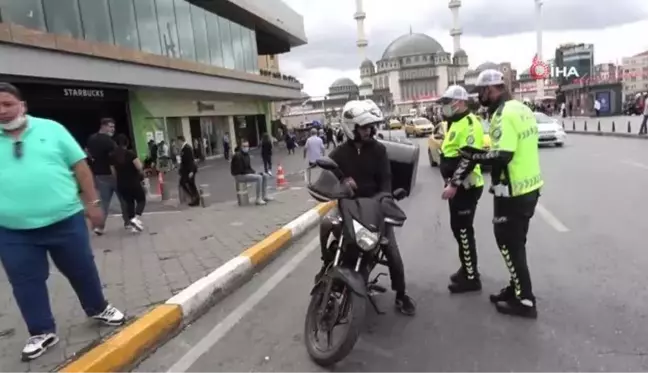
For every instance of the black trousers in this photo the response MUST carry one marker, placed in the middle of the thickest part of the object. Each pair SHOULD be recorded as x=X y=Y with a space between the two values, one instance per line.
x=134 y=199
x=188 y=183
x=394 y=261
x=462 y=215
x=511 y=225
x=643 y=130
x=267 y=163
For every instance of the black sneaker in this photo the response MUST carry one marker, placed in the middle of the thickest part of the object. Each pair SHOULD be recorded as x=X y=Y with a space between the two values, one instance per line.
x=515 y=307
x=457 y=276
x=504 y=295
x=465 y=285
x=405 y=305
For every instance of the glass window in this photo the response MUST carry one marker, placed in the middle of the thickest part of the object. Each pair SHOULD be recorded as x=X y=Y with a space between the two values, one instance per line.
x=237 y=43
x=226 y=41
x=28 y=13
x=122 y=14
x=200 y=34
x=247 y=49
x=168 y=28
x=62 y=17
x=95 y=16
x=185 y=30
x=255 y=52
x=215 y=40
x=147 y=26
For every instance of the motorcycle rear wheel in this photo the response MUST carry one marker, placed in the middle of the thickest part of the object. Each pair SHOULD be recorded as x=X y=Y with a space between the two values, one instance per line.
x=354 y=312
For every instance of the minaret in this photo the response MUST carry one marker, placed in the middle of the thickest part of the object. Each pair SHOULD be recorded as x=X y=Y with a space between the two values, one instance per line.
x=362 y=42
x=538 y=13
x=456 y=31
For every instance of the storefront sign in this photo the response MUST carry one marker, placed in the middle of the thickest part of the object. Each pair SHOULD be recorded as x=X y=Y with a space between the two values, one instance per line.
x=202 y=106
x=82 y=92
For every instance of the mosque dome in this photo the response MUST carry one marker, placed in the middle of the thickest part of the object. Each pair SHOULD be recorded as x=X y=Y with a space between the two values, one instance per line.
x=487 y=65
x=412 y=45
x=342 y=83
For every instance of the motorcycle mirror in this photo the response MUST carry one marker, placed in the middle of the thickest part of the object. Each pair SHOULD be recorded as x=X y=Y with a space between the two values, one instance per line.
x=399 y=194
x=327 y=163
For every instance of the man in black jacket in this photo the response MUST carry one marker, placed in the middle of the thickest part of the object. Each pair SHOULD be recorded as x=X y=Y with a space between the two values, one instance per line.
x=364 y=163
x=188 y=171
x=244 y=173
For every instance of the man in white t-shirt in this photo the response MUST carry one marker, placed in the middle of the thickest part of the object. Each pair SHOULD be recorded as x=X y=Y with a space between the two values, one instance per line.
x=314 y=148
x=597 y=107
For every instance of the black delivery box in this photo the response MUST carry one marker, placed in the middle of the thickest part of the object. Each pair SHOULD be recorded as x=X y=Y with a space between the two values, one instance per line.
x=404 y=158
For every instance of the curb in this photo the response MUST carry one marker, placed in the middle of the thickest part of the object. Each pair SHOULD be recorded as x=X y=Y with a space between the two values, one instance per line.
x=609 y=134
x=133 y=342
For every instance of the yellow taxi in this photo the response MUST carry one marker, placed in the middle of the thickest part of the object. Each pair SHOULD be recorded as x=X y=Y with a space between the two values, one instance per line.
x=418 y=127
x=436 y=139
x=395 y=124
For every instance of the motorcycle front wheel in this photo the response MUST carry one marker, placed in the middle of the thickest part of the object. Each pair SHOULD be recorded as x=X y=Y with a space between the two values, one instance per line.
x=344 y=307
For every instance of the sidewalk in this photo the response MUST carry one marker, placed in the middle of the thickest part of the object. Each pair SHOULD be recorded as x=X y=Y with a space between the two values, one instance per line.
x=141 y=270
x=626 y=126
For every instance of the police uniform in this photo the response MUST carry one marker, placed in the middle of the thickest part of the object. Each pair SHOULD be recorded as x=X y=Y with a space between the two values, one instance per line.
x=464 y=129
x=516 y=183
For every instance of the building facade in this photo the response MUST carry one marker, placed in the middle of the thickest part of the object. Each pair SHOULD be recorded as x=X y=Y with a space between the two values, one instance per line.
x=635 y=74
x=160 y=68
x=510 y=74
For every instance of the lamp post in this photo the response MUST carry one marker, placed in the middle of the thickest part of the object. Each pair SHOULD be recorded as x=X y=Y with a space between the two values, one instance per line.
x=538 y=13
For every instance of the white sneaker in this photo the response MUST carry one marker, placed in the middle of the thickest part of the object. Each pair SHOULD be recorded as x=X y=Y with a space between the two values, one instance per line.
x=98 y=231
x=132 y=229
x=137 y=224
x=111 y=316
x=270 y=173
x=268 y=198
x=37 y=345
x=260 y=202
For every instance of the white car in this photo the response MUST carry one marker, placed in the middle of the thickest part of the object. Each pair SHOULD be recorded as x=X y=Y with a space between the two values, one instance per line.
x=550 y=131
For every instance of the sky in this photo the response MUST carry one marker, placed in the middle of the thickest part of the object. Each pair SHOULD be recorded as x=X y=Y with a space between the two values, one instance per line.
x=493 y=30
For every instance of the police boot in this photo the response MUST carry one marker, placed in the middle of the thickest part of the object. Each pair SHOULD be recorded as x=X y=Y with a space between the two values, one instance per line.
x=504 y=295
x=518 y=307
x=461 y=282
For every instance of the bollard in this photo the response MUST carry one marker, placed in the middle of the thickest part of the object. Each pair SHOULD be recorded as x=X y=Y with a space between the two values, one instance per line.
x=146 y=184
x=574 y=125
x=598 y=127
x=629 y=127
x=585 y=126
x=203 y=191
x=613 y=127
x=242 y=195
x=563 y=124
x=164 y=192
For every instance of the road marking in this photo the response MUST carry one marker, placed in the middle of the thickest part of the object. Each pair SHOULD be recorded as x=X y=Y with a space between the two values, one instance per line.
x=222 y=328
x=635 y=164
x=150 y=213
x=551 y=219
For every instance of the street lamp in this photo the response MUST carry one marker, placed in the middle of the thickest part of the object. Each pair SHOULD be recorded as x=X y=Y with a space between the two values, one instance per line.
x=538 y=14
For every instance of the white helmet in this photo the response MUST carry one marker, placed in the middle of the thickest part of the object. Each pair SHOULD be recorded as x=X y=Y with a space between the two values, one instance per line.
x=489 y=77
x=454 y=92
x=360 y=113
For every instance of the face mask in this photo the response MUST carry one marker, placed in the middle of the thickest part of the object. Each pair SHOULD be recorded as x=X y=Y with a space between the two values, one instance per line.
x=245 y=150
x=14 y=124
x=447 y=110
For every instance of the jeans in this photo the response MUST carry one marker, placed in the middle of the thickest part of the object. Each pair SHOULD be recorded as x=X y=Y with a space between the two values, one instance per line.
x=24 y=257
x=261 y=181
x=511 y=225
x=107 y=186
x=134 y=199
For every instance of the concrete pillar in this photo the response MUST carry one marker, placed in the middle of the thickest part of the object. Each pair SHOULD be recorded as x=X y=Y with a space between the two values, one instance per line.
x=232 y=131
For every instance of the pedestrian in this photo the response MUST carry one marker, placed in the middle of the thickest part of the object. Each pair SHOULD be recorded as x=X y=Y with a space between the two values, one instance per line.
x=464 y=183
x=571 y=108
x=243 y=172
x=266 y=153
x=597 y=107
x=643 y=130
x=329 y=137
x=563 y=110
x=187 y=170
x=516 y=183
x=99 y=148
x=44 y=171
x=226 y=146
x=291 y=142
x=314 y=148
x=128 y=171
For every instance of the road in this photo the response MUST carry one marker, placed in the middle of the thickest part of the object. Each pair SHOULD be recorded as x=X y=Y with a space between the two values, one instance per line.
x=587 y=255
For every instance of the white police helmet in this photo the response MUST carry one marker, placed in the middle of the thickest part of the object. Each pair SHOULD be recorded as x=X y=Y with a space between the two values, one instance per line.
x=489 y=77
x=360 y=113
x=454 y=92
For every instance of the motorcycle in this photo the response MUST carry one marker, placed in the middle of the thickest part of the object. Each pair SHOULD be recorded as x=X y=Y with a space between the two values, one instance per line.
x=352 y=245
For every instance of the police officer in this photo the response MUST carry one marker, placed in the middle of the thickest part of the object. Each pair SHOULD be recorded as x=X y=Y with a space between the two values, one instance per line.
x=464 y=183
x=516 y=183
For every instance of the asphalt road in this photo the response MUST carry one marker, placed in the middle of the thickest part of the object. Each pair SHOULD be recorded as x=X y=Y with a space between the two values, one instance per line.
x=588 y=260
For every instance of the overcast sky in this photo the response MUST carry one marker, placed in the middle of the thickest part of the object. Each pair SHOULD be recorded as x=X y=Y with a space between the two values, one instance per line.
x=494 y=30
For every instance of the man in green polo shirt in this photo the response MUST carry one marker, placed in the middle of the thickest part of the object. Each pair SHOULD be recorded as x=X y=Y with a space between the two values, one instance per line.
x=42 y=168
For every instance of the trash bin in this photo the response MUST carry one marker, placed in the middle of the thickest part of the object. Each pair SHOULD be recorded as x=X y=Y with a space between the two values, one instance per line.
x=403 y=159
x=242 y=195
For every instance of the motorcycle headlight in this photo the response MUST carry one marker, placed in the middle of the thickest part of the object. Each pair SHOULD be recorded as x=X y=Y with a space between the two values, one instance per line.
x=365 y=239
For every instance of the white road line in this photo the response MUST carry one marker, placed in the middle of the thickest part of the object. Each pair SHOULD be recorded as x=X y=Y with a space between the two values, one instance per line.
x=222 y=328
x=635 y=164
x=150 y=213
x=553 y=221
